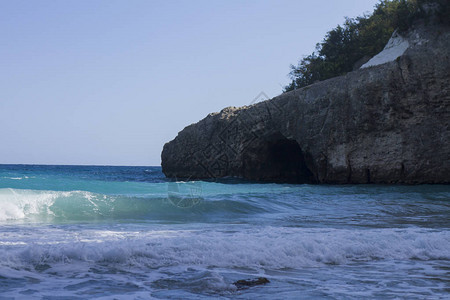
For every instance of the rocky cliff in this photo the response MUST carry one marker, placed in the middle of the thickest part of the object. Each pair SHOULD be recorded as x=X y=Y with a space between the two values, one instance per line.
x=387 y=122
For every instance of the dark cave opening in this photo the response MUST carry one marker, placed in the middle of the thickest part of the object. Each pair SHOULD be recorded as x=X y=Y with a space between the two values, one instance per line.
x=277 y=159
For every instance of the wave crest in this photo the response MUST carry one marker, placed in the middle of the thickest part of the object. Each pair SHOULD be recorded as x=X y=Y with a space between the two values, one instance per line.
x=34 y=205
x=58 y=206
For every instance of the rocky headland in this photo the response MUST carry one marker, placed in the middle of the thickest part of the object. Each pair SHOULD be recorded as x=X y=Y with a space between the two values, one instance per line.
x=387 y=122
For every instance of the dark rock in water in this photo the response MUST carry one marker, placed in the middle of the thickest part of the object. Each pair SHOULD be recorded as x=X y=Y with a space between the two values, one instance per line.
x=387 y=122
x=246 y=283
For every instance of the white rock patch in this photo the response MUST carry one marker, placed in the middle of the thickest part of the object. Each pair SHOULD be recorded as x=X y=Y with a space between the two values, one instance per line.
x=396 y=46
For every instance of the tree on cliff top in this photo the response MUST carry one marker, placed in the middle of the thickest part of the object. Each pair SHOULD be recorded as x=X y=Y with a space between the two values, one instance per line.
x=346 y=47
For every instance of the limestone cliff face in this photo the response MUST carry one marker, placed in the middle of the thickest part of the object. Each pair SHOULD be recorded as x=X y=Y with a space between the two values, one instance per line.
x=387 y=123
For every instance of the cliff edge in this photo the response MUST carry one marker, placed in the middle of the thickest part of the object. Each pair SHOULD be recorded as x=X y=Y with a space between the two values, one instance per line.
x=387 y=122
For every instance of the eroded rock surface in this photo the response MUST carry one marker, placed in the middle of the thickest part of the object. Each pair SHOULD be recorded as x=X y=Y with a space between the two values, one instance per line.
x=382 y=124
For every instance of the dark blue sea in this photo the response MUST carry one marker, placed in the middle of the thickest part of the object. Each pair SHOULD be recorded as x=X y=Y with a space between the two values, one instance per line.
x=103 y=232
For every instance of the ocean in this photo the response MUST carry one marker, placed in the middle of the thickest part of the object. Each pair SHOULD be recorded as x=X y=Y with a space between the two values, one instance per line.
x=103 y=232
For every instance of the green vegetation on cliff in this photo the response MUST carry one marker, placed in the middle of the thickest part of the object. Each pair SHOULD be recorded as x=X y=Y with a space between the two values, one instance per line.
x=347 y=47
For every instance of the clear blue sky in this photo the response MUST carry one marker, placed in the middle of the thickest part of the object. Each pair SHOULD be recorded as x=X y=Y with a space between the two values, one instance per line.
x=109 y=82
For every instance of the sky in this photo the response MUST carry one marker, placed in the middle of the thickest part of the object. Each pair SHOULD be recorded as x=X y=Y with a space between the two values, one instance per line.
x=106 y=82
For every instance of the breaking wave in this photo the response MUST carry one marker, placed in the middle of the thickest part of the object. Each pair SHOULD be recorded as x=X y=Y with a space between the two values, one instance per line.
x=269 y=248
x=60 y=206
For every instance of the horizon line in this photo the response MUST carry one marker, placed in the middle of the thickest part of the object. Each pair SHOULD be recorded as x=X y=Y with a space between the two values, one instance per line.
x=68 y=165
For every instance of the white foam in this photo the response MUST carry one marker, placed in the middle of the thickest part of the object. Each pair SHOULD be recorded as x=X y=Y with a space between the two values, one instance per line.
x=17 y=178
x=274 y=248
x=17 y=204
x=395 y=47
x=182 y=263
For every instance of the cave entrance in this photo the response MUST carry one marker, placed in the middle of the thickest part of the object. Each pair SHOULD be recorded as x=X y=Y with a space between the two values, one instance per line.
x=277 y=159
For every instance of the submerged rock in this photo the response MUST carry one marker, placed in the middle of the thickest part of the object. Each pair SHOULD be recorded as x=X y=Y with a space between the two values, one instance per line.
x=387 y=123
x=246 y=283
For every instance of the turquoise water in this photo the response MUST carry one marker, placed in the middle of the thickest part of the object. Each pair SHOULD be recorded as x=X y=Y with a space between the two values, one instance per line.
x=78 y=232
